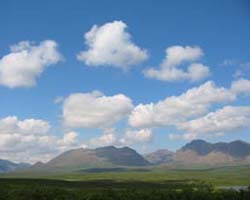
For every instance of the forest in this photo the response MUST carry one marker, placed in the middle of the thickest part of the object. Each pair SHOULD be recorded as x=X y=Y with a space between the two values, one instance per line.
x=42 y=189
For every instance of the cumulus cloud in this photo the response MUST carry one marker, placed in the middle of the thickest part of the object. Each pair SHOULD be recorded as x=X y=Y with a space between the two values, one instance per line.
x=174 y=109
x=12 y=124
x=227 y=119
x=111 y=45
x=26 y=61
x=129 y=137
x=241 y=86
x=95 y=110
x=170 y=69
x=106 y=139
x=136 y=136
x=29 y=140
x=68 y=139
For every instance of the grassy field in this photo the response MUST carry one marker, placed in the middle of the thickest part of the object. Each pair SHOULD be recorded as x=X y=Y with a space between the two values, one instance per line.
x=128 y=184
x=224 y=176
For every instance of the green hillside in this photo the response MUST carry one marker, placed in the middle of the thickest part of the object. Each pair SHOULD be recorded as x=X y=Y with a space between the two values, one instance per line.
x=222 y=176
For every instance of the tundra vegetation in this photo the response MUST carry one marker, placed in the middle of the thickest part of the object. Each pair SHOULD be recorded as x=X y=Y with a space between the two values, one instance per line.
x=44 y=189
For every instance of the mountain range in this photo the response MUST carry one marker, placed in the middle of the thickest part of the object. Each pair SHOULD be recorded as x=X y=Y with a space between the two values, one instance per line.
x=195 y=153
x=8 y=166
x=104 y=157
x=160 y=156
x=200 y=152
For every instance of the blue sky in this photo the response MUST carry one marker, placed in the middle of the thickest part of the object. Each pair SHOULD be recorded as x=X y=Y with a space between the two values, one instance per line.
x=218 y=30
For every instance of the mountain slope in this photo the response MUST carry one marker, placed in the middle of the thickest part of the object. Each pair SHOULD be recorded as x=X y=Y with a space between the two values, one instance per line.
x=121 y=156
x=160 y=156
x=195 y=153
x=93 y=158
x=200 y=152
x=8 y=166
x=236 y=148
x=205 y=153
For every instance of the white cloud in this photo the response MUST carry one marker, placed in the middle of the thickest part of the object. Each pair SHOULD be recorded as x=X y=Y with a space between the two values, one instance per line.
x=170 y=69
x=194 y=102
x=197 y=71
x=111 y=45
x=12 y=124
x=69 y=139
x=241 y=86
x=26 y=61
x=224 y=120
x=176 y=55
x=29 y=140
x=130 y=137
x=136 y=136
x=106 y=139
x=95 y=110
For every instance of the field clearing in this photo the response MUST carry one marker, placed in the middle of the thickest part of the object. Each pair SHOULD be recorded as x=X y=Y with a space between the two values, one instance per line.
x=223 y=176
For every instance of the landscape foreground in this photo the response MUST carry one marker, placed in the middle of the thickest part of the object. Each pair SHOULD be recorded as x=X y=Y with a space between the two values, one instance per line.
x=36 y=189
x=134 y=184
x=199 y=170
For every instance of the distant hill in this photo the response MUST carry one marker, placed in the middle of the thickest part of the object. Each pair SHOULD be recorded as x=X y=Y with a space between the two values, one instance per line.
x=197 y=153
x=160 y=156
x=109 y=156
x=121 y=156
x=236 y=148
x=202 y=153
x=8 y=166
x=222 y=153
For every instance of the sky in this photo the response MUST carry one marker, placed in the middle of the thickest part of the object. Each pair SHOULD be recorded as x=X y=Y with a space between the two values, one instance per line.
x=145 y=74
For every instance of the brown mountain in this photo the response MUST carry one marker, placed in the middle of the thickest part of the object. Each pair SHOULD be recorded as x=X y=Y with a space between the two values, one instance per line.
x=200 y=152
x=104 y=157
x=238 y=148
x=160 y=156
x=195 y=153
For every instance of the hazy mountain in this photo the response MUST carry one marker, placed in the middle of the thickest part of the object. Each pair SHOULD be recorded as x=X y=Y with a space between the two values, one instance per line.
x=200 y=152
x=237 y=148
x=160 y=156
x=8 y=166
x=195 y=153
x=201 y=147
x=93 y=158
x=205 y=153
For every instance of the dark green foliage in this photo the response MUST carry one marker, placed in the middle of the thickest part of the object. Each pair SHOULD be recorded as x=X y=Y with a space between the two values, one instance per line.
x=35 y=189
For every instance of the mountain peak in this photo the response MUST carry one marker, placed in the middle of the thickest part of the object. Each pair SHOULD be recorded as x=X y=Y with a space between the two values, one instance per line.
x=239 y=142
x=108 y=156
x=199 y=146
x=160 y=156
x=198 y=142
x=8 y=166
x=121 y=156
x=236 y=148
x=107 y=147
